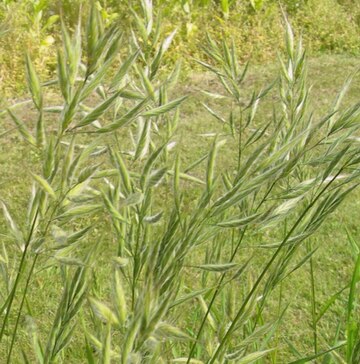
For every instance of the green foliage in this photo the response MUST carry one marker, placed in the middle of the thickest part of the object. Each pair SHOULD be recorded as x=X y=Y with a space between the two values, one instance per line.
x=151 y=273
x=326 y=25
x=334 y=36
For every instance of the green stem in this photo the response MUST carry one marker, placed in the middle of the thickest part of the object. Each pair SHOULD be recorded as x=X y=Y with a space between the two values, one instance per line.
x=313 y=303
x=20 y=309
x=21 y=267
x=274 y=359
x=18 y=276
x=137 y=263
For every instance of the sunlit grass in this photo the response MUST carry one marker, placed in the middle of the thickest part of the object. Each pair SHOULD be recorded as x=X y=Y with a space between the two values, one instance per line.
x=146 y=227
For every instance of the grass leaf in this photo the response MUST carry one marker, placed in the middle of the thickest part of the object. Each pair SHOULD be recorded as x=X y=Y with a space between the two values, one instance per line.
x=164 y=108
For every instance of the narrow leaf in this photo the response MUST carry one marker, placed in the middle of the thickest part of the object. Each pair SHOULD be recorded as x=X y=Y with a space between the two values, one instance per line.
x=164 y=108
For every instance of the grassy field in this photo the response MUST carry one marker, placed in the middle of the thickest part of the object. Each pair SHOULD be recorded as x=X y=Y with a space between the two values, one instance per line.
x=332 y=263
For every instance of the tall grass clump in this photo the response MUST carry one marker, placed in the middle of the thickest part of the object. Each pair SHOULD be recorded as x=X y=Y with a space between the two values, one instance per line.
x=152 y=260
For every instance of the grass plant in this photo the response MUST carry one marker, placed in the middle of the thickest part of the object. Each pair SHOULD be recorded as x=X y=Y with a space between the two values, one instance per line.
x=155 y=258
